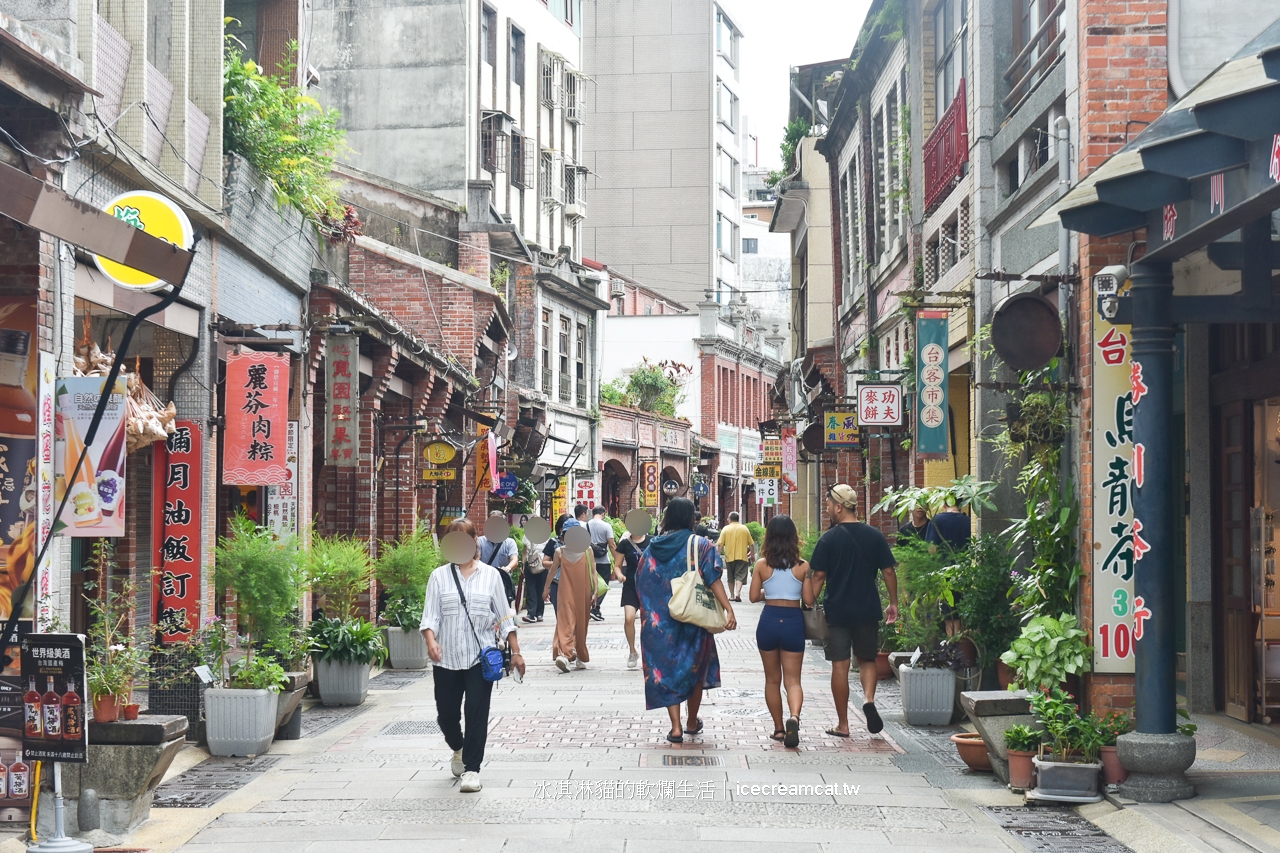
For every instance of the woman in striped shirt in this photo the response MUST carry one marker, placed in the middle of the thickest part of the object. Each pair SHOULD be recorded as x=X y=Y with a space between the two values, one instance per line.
x=455 y=634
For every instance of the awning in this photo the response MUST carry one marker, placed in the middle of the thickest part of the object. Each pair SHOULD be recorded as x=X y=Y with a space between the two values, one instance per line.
x=1206 y=166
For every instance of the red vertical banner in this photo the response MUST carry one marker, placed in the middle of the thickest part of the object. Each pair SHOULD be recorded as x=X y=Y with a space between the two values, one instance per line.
x=253 y=444
x=176 y=532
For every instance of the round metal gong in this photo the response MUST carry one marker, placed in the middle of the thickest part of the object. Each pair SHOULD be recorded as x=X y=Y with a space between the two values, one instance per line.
x=1026 y=332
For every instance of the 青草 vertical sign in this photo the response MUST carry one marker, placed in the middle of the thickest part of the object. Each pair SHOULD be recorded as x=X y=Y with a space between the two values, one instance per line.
x=1116 y=466
x=933 y=437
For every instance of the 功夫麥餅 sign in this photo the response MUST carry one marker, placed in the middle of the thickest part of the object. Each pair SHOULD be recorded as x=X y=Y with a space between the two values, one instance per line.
x=253 y=445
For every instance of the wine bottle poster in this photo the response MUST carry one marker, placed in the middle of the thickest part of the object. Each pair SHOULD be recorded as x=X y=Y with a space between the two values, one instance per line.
x=19 y=381
x=96 y=505
x=54 y=726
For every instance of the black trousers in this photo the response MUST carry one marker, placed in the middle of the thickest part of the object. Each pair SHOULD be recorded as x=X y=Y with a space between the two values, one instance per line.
x=534 y=586
x=555 y=593
x=452 y=686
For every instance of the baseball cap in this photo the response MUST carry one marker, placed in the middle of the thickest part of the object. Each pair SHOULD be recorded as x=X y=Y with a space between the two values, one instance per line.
x=844 y=495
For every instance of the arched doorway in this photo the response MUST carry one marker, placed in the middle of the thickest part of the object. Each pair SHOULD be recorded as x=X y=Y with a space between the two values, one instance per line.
x=615 y=485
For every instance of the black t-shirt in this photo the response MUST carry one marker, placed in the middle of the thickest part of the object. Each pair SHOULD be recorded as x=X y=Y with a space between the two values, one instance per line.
x=549 y=550
x=631 y=555
x=951 y=529
x=909 y=530
x=850 y=554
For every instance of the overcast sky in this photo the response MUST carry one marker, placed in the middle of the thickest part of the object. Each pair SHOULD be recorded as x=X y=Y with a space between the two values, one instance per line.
x=776 y=36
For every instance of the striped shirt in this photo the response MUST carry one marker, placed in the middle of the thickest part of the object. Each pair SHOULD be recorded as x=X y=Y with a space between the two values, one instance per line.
x=459 y=641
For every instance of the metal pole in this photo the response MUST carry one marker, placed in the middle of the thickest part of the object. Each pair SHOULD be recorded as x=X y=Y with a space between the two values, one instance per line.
x=1153 y=587
x=59 y=843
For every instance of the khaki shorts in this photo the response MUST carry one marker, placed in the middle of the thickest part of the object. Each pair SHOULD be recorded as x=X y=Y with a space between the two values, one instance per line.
x=860 y=641
x=736 y=571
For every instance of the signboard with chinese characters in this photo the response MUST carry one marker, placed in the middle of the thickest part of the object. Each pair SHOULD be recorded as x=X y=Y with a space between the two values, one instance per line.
x=43 y=484
x=96 y=506
x=53 y=707
x=790 y=461
x=768 y=471
x=1117 y=466
x=933 y=439
x=771 y=450
x=176 y=531
x=880 y=404
x=257 y=392
x=586 y=491
x=432 y=475
x=152 y=214
x=342 y=401
x=484 y=454
x=560 y=498
x=840 y=431
x=649 y=484
x=767 y=491
x=282 y=500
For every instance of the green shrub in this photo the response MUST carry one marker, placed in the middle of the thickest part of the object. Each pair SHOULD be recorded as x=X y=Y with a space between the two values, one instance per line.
x=1022 y=738
x=757 y=532
x=347 y=641
x=982 y=578
x=1047 y=651
x=264 y=574
x=258 y=672
x=339 y=568
x=403 y=568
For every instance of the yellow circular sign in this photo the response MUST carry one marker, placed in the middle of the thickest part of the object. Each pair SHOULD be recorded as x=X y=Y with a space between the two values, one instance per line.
x=155 y=215
x=439 y=452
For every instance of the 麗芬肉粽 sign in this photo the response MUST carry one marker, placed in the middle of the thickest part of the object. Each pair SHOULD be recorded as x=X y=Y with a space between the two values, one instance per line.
x=257 y=391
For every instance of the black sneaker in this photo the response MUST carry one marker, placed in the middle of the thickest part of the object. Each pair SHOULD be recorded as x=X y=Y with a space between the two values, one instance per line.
x=875 y=725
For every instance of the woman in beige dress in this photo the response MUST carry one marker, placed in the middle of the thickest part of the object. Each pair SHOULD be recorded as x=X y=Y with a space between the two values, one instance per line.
x=573 y=602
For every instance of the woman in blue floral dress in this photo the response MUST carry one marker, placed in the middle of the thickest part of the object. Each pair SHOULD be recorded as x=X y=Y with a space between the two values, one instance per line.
x=680 y=659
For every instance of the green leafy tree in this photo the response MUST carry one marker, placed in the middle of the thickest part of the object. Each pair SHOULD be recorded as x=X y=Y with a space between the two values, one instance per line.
x=403 y=569
x=264 y=574
x=339 y=568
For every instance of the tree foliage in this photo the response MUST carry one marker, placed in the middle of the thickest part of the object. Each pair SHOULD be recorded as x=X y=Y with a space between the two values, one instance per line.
x=656 y=387
x=264 y=574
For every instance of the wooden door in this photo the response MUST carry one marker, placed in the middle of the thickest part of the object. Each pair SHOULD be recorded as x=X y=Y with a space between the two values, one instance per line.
x=1235 y=474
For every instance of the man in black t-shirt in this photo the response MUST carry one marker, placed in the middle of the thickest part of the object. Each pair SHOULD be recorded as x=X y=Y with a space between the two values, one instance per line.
x=847 y=557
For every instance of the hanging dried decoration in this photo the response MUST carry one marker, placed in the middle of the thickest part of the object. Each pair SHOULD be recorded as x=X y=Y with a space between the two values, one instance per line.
x=147 y=419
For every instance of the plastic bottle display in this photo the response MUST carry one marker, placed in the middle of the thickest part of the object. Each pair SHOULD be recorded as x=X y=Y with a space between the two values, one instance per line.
x=32 y=714
x=72 y=712
x=52 y=703
x=19 y=775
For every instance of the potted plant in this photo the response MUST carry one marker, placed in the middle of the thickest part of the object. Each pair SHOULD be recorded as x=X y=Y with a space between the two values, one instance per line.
x=1047 y=651
x=1111 y=727
x=403 y=570
x=342 y=651
x=929 y=686
x=114 y=659
x=1067 y=767
x=972 y=751
x=1021 y=743
x=984 y=573
x=241 y=708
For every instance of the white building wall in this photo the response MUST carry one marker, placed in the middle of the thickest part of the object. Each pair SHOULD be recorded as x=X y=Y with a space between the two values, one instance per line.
x=658 y=338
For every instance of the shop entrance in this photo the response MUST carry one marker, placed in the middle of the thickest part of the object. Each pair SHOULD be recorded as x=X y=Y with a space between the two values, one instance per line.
x=1235 y=470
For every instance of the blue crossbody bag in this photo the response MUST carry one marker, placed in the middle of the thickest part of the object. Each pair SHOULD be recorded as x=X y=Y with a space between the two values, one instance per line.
x=494 y=662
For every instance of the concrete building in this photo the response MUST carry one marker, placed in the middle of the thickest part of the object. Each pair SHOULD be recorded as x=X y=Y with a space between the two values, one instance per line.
x=665 y=144
x=439 y=95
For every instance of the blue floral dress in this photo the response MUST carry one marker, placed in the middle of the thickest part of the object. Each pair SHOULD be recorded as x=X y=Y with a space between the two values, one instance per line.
x=678 y=657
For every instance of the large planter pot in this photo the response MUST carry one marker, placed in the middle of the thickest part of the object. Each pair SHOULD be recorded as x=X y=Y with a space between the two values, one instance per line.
x=973 y=751
x=408 y=648
x=1022 y=770
x=883 y=669
x=342 y=683
x=240 y=722
x=928 y=695
x=1113 y=772
x=1066 y=782
x=1157 y=765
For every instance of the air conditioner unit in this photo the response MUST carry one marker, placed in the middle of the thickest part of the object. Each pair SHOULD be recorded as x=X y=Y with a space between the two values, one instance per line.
x=576 y=210
x=617 y=287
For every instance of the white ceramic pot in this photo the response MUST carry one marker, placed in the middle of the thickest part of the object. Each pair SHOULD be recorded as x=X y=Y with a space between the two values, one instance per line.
x=342 y=683
x=408 y=648
x=240 y=722
x=928 y=695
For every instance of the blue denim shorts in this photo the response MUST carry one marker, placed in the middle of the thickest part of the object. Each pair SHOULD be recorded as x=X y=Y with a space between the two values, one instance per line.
x=780 y=628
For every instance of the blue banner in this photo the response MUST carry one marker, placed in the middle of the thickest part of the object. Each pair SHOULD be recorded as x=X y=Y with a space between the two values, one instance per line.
x=932 y=428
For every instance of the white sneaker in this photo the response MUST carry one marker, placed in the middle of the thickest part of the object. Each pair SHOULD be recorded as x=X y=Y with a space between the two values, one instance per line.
x=632 y=659
x=562 y=663
x=456 y=764
x=470 y=783
x=579 y=665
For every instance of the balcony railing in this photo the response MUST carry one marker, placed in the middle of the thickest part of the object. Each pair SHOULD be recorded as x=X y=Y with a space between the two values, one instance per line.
x=1040 y=52
x=946 y=150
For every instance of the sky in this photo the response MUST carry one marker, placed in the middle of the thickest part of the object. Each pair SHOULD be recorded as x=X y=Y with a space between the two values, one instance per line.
x=777 y=36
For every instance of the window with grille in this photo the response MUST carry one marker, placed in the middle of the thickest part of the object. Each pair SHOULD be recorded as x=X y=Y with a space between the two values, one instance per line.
x=546 y=352
x=552 y=84
x=493 y=144
x=551 y=178
x=581 y=353
x=564 y=360
x=516 y=168
x=573 y=100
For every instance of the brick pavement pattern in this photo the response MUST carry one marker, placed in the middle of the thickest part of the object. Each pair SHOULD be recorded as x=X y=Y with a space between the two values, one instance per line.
x=575 y=763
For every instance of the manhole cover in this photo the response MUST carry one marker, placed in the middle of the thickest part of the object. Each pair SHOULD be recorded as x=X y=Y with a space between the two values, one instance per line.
x=1053 y=829
x=395 y=679
x=208 y=782
x=410 y=728
x=692 y=761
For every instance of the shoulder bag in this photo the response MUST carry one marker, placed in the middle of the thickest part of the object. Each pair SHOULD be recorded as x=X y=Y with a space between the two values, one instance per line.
x=495 y=660
x=692 y=600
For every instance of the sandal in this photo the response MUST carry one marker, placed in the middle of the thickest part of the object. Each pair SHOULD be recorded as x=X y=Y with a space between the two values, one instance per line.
x=675 y=738
x=696 y=731
x=835 y=733
x=778 y=734
x=793 y=733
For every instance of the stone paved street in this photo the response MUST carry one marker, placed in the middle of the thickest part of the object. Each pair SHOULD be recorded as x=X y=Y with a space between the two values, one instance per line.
x=576 y=762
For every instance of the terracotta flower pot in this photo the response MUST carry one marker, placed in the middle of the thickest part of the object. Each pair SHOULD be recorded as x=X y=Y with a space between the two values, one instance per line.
x=131 y=711
x=1005 y=674
x=1022 y=772
x=1113 y=772
x=883 y=669
x=968 y=650
x=106 y=709
x=972 y=750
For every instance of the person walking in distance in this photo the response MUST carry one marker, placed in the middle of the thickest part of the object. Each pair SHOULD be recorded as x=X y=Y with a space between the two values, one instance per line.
x=630 y=552
x=781 y=581
x=847 y=558
x=605 y=553
x=551 y=590
x=576 y=586
x=537 y=535
x=500 y=550
x=465 y=608
x=738 y=548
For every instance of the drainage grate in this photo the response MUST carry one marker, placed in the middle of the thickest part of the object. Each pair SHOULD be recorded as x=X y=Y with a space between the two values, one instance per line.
x=937 y=743
x=740 y=712
x=318 y=718
x=210 y=781
x=1042 y=830
x=396 y=679
x=692 y=761
x=410 y=728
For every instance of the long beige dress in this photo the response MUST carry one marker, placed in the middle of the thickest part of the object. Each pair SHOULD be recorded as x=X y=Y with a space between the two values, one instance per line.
x=573 y=603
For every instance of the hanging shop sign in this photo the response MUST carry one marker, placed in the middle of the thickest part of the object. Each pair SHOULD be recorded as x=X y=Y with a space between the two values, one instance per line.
x=790 y=461
x=560 y=498
x=433 y=475
x=53 y=706
x=649 y=482
x=840 y=430
x=43 y=486
x=439 y=453
x=450 y=514
x=282 y=500
x=342 y=401
x=880 y=404
x=507 y=485
x=933 y=438
x=670 y=488
x=771 y=450
x=1117 y=467
x=175 y=524
x=768 y=471
x=767 y=491
x=97 y=503
x=19 y=444
x=701 y=489
x=586 y=491
x=152 y=214
x=486 y=461
x=257 y=391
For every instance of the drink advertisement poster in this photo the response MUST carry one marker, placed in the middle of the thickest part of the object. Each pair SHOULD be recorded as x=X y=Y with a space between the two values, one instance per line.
x=96 y=506
x=53 y=706
x=19 y=443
